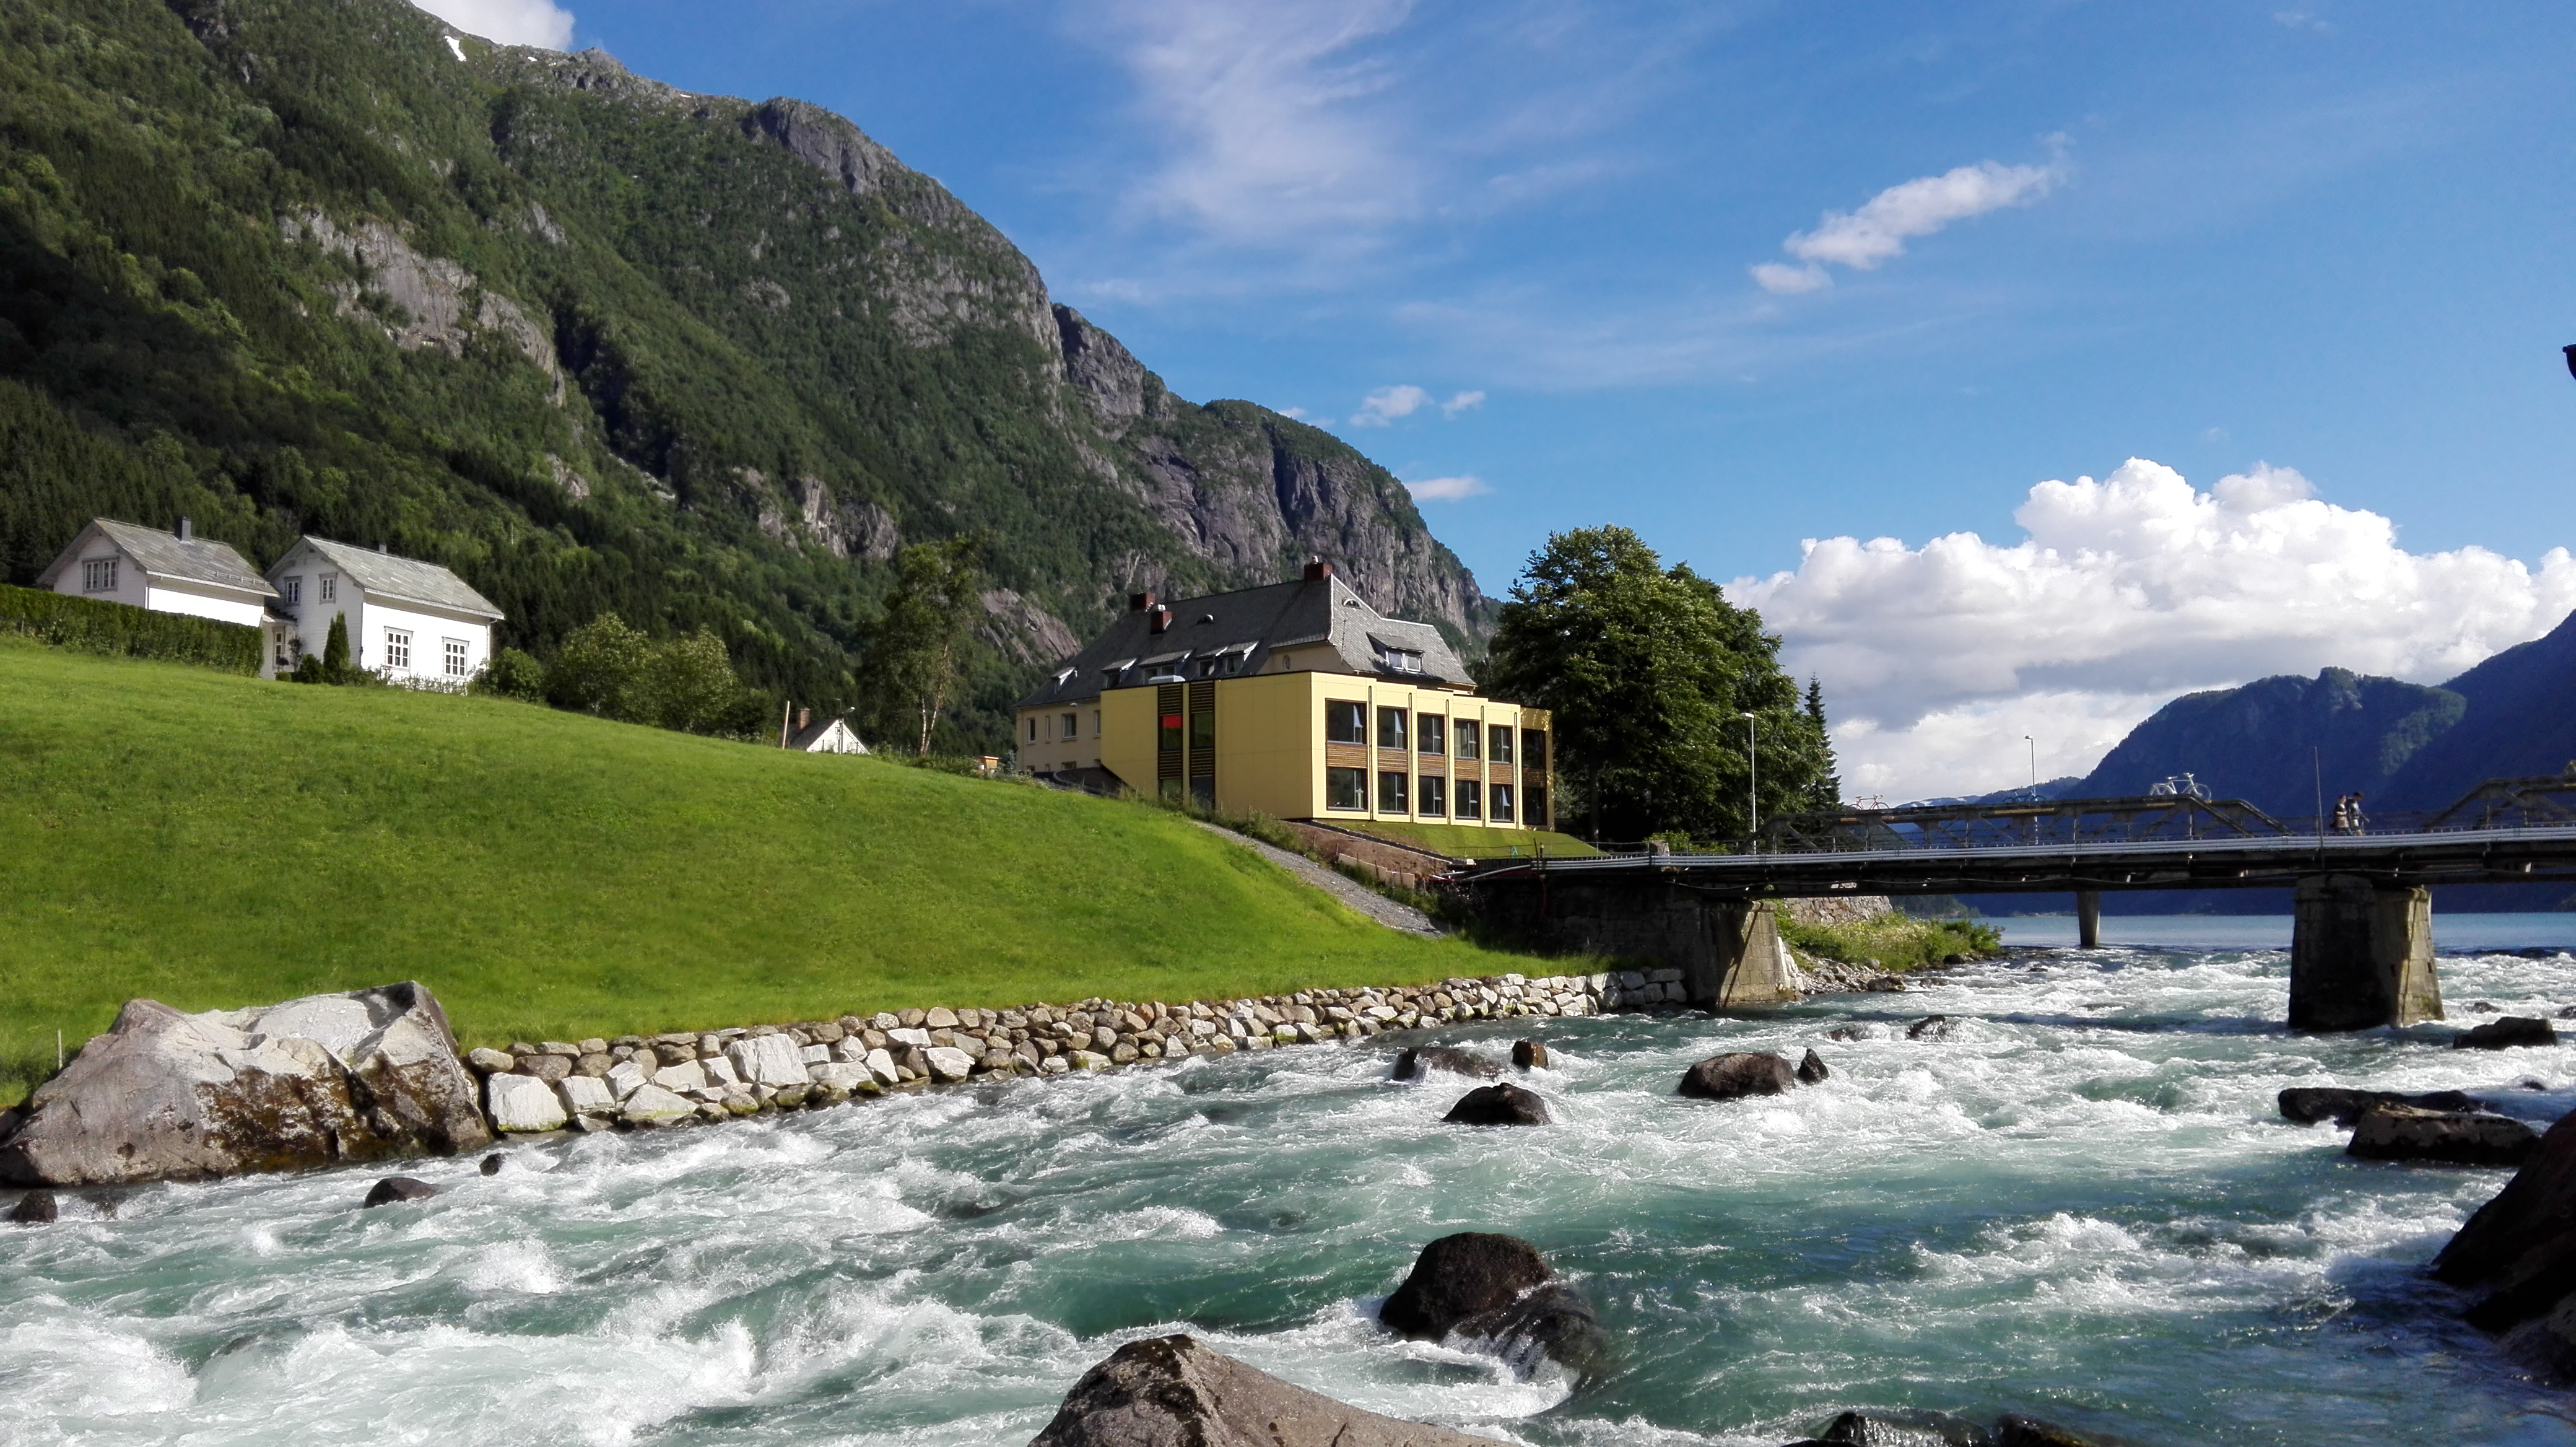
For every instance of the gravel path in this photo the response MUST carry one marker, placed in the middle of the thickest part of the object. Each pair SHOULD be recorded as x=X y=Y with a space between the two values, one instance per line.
x=1340 y=886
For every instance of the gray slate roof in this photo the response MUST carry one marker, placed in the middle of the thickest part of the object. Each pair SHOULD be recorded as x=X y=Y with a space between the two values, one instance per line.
x=167 y=555
x=403 y=580
x=1256 y=622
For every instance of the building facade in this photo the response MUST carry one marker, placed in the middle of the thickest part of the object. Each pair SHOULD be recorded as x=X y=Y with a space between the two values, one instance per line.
x=411 y=622
x=1298 y=700
x=179 y=572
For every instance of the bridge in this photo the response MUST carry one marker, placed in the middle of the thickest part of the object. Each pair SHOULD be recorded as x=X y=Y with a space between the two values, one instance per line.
x=2361 y=950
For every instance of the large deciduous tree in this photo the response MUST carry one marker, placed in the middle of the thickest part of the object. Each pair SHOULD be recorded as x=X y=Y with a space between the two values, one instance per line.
x=938 y=589
x=1647 y=672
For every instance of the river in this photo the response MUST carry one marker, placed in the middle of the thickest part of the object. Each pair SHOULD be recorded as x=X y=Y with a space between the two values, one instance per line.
x=2080 y=1204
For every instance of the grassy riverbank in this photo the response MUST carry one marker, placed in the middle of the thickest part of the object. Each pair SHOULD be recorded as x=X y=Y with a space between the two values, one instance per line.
x=217 y=841
x=1894 y=940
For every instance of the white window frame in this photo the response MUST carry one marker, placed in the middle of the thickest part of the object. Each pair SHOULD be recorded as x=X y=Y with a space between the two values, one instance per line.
x=293 y=587
x=330 y=588
x=398 y=649
x=98 y=575
x=460 y=657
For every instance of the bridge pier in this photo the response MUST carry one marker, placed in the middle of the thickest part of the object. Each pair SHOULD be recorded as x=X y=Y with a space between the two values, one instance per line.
x=1744 y=963
x=2088 y=919
x=2361 y=955
x=1728 y=950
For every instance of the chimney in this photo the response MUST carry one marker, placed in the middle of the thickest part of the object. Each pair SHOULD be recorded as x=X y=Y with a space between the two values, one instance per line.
x=1158 y=618
x=187 y=530
x=1317 y=570
x=804 y=719
x=1139 y=602
x=380 y=547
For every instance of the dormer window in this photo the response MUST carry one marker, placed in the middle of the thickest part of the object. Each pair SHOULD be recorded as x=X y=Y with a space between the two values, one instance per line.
x=1399 y=660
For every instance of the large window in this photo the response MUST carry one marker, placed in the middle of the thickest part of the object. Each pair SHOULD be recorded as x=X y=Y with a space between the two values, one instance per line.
x=1203 y=729
x=1435 y=733
x=1345 y=721
x=1390 y=728
x=1071 y=724
x=330 y=587
x=1534 y=807
x=1500 y=737
x=1502 y=803
x=291 y=590
x=98 y=575
x=1391 y=792
x=1471 y=799
x=1435 y=795
x=456 y=655
x=1468 y=732
x=1170 y=735
x=1346 y=789
x=1534 y=755
x=397 y=648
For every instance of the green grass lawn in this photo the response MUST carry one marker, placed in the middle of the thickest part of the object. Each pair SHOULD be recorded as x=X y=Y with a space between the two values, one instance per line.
x=1473 y=841
x=218 y=841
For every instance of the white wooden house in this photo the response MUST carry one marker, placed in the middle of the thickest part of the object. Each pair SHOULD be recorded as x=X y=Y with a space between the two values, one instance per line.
x=823 y=736
x=166 y=572
x=412 y=622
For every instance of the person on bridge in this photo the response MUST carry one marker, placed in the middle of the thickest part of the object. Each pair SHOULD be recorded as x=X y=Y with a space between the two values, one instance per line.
x=2348 y=813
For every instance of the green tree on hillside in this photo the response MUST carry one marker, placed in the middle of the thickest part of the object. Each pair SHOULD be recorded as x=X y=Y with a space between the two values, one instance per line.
x=335 y=651
x=1648 y=671
x=609 y=668
x=939 y=589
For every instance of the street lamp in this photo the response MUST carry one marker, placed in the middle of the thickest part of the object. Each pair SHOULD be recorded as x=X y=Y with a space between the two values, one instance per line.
x=2034 y=764
x=1752 y=780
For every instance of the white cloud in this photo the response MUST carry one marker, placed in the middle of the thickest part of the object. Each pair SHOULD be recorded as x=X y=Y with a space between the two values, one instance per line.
x=511 y=22
x=1381 y=407
x=1782 y=279
x=1868 y=238
x=1447 y=489
x=1261 y=106
x=1462 y=402
x=2122 y=594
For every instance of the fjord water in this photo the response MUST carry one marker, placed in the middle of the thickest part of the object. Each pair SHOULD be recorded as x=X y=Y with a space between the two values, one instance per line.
x=2080 y=1204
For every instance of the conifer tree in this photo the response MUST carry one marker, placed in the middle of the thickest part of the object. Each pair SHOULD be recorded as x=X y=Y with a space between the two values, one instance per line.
x=335 y=651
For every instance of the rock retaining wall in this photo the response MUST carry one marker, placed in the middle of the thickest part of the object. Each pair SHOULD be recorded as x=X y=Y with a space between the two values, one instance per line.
x=637 y=1080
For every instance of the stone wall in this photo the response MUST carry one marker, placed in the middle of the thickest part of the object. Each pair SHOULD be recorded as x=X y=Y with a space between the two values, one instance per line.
x=1834 y=909
x=681 y=1076
x=1392 y=863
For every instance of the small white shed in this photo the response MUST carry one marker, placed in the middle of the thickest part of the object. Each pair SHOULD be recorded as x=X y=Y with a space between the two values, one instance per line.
x=823 y=736
x=166 y=572
x=414 y=623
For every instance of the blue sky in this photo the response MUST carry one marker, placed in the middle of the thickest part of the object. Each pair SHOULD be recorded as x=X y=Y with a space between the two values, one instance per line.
x=2319 y=248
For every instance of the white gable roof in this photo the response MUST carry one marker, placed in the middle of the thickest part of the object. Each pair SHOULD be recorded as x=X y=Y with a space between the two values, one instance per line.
x=167 y=556
x=402 y=580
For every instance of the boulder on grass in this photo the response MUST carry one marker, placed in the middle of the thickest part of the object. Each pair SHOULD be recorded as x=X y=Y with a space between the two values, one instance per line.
x=2392 y=1132
x=163 y=1095
x=1417 y=1061
x=2505 y=1032
x=2308 y=1104
x=1738 y=1073
x=1497 y=1293
x=1504 y=1104
x=1172 y=1391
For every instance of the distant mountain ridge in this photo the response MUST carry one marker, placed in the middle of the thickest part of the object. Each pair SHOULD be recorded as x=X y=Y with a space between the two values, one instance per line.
x=596 y=342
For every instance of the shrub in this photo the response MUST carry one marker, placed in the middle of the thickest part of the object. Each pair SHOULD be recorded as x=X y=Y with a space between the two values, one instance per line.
x=612 y=670
x=512 y=673
x=308 y=669
x=121 y=630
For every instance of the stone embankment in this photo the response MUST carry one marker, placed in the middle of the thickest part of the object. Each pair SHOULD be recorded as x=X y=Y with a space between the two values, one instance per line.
x=685 y=1075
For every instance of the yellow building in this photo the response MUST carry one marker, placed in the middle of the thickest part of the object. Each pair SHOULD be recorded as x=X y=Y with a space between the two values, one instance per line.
x=1298 y=700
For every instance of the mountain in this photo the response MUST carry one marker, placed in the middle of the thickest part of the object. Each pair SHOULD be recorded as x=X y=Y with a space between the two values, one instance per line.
x=2521 y=720
x=2279 y=743
x=594 y=342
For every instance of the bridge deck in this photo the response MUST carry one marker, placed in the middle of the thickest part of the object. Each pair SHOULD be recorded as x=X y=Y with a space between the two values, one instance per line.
x=2458 y=856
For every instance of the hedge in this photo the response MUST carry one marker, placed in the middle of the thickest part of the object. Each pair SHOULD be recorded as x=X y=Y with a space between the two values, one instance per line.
x=124 y=631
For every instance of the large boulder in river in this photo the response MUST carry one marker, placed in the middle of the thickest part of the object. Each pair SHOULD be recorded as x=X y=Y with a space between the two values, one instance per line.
x=1504 y=1104
x=2308 y=1104
x=2505 y=1032
x=1171 y=1391
x=1497 y=1293
x=1740 y=1073
x=1910 y=1427
x=2392 y=1132
x=2520 y=1248
x=367 y=1075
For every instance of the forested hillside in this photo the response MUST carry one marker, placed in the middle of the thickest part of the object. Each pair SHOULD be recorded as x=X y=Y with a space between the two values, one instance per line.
x=329 y=266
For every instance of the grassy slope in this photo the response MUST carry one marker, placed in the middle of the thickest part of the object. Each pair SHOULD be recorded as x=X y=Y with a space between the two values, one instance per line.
x=1472 y=841
x=217 y=841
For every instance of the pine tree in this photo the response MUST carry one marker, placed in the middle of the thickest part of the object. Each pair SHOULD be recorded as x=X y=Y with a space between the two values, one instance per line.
x=335 y=651
x=1828 y=791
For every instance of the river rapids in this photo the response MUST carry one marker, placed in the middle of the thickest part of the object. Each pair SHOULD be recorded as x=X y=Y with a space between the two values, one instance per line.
x=2080 y=1204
